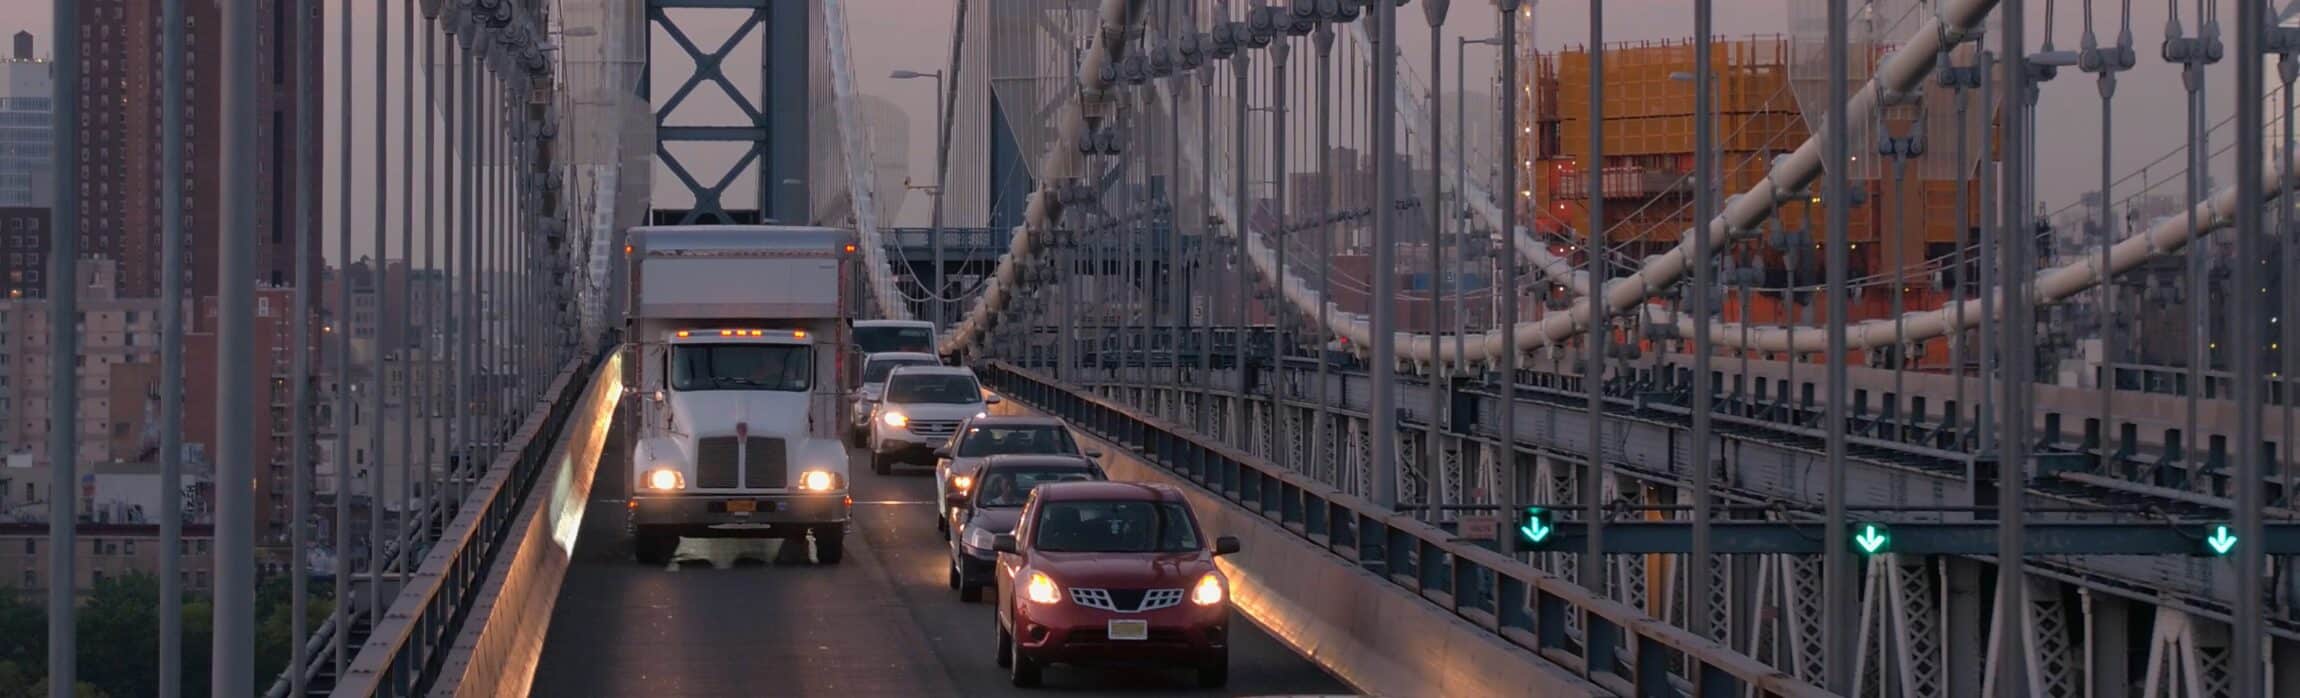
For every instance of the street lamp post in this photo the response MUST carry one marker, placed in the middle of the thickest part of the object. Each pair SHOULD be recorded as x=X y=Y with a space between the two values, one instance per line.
x=934 y=233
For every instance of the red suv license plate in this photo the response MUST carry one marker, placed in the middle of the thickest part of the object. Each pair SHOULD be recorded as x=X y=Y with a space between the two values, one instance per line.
x=1129 y=630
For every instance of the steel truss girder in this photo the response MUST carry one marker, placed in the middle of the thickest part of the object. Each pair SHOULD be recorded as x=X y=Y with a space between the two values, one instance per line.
x=709 y=205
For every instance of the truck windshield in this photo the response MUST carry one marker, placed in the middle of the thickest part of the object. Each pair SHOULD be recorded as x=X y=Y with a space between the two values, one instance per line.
x=782 y=367
x=933 y=388
x=872 y=340
x=878 y=368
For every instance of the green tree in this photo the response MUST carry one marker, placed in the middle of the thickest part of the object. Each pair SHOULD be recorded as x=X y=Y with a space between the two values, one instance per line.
x=119 y=646
x=23 y=632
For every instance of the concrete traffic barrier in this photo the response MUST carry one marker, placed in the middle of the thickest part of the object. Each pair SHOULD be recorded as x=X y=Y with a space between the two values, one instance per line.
x=501 y=643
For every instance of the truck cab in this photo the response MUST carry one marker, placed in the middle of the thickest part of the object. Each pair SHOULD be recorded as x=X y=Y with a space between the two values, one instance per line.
x=738 y=336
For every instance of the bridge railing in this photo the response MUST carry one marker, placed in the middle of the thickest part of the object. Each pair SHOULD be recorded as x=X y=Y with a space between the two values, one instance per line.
x=1522 y=605
x=403 y=652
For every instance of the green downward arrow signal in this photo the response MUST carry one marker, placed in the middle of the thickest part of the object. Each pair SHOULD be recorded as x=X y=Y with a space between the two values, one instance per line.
x=1871 y=539
x=1535 y=530
x=2221 y=540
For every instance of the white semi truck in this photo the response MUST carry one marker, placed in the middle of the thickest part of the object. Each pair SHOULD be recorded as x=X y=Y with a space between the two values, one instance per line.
x=735 y=342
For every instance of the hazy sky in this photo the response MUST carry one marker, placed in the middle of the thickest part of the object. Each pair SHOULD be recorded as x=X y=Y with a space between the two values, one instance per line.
x=891 y=34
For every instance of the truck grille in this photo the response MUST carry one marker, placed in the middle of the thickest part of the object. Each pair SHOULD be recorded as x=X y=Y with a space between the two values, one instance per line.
x=767 y=466
x=934 y=428
x=718 y=463
x=717 y=460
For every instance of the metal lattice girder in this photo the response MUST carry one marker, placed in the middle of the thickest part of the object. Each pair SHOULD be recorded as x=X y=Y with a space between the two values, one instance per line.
x=1926 y=538
x=752 y=133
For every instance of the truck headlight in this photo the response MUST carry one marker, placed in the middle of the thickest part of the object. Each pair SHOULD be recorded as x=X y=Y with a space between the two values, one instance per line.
x=895 y=419
x=959 y=483
x=1208 y=591
x=817 y=480
x=666 y=479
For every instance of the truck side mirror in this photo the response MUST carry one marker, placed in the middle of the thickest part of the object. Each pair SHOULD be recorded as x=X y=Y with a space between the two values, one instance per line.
x=1226 y=545
x=992 y=400
x=1003 y=543
x=955 y=499
x=942 y=451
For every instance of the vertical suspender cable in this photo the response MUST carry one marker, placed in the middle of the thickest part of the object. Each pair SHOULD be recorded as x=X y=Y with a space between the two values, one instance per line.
x=63 y=351
x=467 y=315
x=1958 y=266
x=1236 y=245
x=300 y=429
x=1600 y=334
x=2287 y=69
x=1177 y=268
x=372 y=414
x=2107 y=309
x=451 y=312
x=1382 y=420
x=1506 y=491
x=1704 y=209
x=2249 y=628
x=341 y=327
x=1279 y=52
x=424 y=397
x=1324 y=455
x=1242 y=97
x=1838 y=648
x=171 y=512
x=235 y=563
x=2199 y=293
x=1985 y=258
x=2019 y=241
x=404 y=340
x=1434 y=473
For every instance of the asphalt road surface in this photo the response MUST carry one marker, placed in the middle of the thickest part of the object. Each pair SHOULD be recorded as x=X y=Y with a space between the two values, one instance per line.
x=748 y=618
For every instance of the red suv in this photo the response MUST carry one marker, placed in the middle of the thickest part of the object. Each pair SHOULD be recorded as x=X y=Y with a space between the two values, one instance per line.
x=1111 y=572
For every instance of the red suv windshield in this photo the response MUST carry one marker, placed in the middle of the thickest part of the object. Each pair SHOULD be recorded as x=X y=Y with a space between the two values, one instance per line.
x=1114 y=527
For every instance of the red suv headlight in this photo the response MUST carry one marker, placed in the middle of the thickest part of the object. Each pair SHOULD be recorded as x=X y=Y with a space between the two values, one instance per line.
x=1208 y=591
x=1041 y=590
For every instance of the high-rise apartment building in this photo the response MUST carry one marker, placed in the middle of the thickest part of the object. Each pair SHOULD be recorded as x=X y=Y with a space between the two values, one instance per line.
x=120 y=146
x=27 y=151
x=23 y=252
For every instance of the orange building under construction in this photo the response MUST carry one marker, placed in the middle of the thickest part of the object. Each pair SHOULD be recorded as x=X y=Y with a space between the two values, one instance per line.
x=1905 y=215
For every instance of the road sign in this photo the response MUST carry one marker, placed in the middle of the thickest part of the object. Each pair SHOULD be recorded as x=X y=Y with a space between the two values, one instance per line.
x=1481 y=527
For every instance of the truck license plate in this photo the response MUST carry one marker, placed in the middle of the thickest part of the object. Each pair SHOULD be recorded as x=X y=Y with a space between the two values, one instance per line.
x=1129 y=630
x=741 y=506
